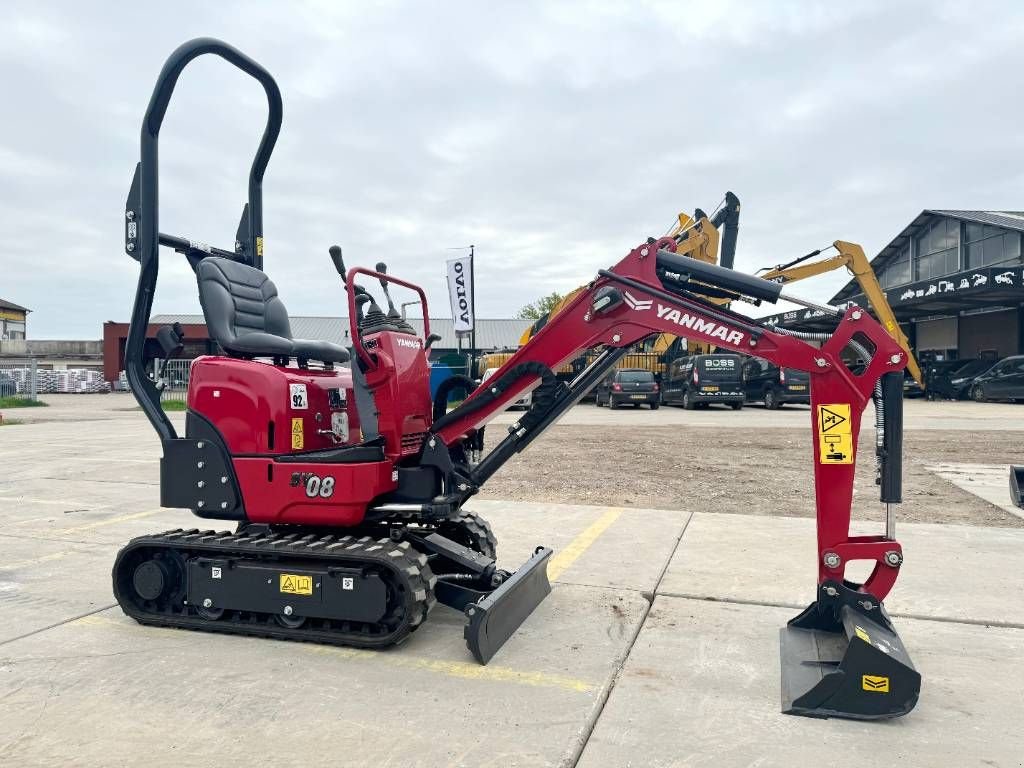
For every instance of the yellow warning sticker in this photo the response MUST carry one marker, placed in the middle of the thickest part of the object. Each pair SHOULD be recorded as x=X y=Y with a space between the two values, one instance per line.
x=298 y=440
x=862 y=634
x=835 y=434
x=293 y=584
x=259 y=246
x=875 y=684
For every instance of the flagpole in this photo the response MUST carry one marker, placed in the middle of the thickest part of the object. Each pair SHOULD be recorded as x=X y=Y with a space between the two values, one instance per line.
x=472 y=308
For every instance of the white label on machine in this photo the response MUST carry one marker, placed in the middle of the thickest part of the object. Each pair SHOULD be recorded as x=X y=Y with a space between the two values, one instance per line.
x=215 y=572
x=299 y=399
x=348 y=583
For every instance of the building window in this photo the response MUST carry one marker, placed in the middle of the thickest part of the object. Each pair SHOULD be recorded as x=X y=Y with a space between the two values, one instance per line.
x=987 y=245
x=938 y=250
x=898 y=272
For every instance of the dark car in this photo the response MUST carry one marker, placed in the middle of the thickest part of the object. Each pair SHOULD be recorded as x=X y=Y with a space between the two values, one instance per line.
x=954 y=382
x=703 y=379
x=1003 y=381
x=7 y=386
x=629 y=386
x=775 y=386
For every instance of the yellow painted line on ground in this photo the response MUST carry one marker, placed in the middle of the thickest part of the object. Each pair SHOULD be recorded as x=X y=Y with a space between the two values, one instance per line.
x=110 y=521
x=460 y=669
x=560 y=562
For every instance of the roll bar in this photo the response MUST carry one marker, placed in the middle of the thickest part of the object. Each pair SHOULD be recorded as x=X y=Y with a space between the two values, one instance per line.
x=350 y=286
x=142 y=228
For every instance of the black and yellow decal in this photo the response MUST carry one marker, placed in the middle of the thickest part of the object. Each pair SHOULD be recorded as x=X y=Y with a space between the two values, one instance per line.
x=294 y=584
x=298 y=438
x=875 y=683
x=835 y=434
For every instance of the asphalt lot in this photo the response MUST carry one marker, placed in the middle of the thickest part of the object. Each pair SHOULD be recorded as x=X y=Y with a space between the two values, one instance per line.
x=657 y=647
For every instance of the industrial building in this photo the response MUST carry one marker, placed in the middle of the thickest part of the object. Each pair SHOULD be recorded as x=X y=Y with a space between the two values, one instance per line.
x=954 y=280
x=13 y=321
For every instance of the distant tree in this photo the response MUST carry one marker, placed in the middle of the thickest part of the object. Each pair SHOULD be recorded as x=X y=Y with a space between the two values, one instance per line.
x=537 y=309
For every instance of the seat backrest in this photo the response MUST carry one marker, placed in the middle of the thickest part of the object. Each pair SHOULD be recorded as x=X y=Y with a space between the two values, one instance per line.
x=237 y=300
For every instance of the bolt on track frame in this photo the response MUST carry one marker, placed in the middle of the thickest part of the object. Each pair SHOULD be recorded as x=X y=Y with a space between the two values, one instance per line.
x=649 y=307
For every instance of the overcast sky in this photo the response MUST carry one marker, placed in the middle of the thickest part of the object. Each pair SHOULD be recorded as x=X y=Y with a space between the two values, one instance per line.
x=553 y=136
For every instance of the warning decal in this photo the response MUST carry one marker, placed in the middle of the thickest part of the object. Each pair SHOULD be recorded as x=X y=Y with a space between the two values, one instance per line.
x=862 y=634
x=297 y=437
x=875 y=684
x=835 y=434
x=293 y=584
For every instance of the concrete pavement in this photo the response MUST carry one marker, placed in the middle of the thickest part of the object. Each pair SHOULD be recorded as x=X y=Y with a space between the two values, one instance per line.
x=657 y=647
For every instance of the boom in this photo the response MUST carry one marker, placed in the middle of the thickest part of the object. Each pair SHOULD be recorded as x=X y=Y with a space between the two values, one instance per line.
x=851 y=256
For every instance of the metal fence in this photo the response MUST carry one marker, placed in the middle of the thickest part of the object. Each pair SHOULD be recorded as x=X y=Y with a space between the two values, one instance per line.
x=175 y=379
x=26 y=379
x=19 y=379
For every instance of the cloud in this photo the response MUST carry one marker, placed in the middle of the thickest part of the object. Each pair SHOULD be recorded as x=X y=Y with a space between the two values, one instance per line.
x=552 y=136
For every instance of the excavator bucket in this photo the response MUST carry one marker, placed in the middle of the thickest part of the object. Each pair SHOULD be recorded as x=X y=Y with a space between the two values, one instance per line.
x=494 y=619
x=841 y=657
x=1017 y=486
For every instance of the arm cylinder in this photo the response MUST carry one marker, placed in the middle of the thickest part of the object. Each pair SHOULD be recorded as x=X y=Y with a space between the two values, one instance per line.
x=721 y=277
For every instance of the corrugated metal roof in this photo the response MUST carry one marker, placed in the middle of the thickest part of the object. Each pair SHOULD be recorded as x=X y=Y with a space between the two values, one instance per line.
x=490 y=333
x=4 y=304
x=1007 y=219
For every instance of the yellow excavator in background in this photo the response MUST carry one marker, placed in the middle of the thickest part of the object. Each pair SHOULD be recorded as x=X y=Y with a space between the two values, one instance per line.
x=851 y=256
x=699 y=238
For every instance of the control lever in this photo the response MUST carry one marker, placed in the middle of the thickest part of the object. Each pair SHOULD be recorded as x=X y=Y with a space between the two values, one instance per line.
x=360 y=299
x=393 y=314
x=339 y=263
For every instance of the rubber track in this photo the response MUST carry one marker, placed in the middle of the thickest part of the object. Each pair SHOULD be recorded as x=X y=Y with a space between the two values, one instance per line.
x=292 y=550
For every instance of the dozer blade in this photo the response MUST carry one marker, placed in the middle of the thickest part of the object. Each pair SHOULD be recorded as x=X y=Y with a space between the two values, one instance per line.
x=1017 y=486
x=493 y=620
x=839 y=662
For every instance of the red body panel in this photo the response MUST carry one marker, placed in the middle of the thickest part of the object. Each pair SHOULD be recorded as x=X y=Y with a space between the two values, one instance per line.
x=257 y=410
x=250 y=403
x=276 y=492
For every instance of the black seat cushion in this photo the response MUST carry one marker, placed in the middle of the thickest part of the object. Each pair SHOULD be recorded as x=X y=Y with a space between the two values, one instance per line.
x=245 y=316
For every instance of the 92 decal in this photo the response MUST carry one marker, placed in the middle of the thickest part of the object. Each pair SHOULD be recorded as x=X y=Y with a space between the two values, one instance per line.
x=316 y=487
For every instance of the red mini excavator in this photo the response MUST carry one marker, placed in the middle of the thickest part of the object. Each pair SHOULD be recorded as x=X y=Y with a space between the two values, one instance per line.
x=348 y=484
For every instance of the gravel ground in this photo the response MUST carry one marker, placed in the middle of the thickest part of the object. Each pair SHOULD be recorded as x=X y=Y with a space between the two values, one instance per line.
x=765 y=472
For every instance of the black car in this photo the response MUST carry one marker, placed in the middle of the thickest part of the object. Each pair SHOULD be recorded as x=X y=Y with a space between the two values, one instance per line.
x=703 y=379
x=629 y=386
x=1003 y=381
x=7 y=386
x=775 y=386
x=954 y=382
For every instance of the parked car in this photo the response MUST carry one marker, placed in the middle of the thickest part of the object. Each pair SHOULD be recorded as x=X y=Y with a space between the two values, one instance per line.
x=7 y=386
x=954 y=382
x=629 y=386
x=523 y=402
x=911 y=388
x=774 y=386
x=1003 y=381
x=703 y=379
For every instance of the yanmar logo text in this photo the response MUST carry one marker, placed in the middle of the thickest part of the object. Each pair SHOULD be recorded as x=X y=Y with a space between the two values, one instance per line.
x=695 y=323
x=410 y=343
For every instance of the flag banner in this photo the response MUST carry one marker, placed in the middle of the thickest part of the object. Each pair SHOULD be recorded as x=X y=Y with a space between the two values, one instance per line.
x=460 y=292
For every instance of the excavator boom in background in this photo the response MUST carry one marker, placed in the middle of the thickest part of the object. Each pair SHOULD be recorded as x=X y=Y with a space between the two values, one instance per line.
x=851 y=256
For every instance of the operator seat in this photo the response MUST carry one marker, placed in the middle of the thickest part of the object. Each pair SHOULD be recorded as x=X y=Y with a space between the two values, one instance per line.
x=246 y=317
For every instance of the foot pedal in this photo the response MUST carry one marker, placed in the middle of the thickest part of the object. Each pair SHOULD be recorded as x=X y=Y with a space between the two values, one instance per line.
x=493 y=620
x=1017 y=486
x=841 y=657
